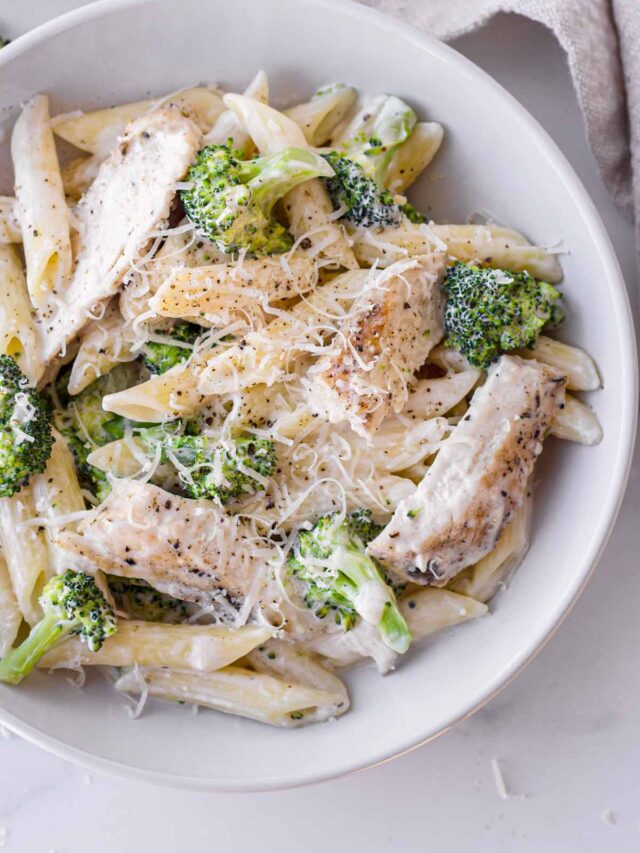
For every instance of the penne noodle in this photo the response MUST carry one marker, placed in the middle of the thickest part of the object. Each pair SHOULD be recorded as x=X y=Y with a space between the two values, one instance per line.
x=221 y=293
x=56 y=493
x=430 y=398
x=169 y=395
x=10 y=616
x=41 y=204
x=575 y=363
x=234 y=690
x=202 y=648
x=396 y=445
x=308 y=206
x=10 y=231
x=98 y=132
x=497 y=247
x=78 y=176
x=18 y=335
x=414 y=155
x=25 y=551
x=319 y=117
x=430 y=610
x=102 y=346
x=227 y=127
x=482 y=581
x=577 y=422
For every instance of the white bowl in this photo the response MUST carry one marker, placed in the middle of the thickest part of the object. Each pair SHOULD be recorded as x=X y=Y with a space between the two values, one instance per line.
x=495 y=158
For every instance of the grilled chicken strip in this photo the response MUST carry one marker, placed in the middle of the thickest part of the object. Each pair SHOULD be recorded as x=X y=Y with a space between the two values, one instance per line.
x=386 y=337
x=186 y=548
x=130 y=197
x=479 y=478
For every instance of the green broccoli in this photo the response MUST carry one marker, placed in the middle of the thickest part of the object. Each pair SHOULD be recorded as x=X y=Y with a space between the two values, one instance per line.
x=214 y=471
x=361 y=162
x=492 y=311
x=340 y=577
x=26 y=436
x=231 y=200
x=366 y=204
x=4 y=41
x=412 y=214
x=72 y=604
x=139 y=600
x=86 y=425
x=158 y=358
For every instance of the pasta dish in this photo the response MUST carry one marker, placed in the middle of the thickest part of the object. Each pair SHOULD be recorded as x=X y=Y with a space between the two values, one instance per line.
x=261 y=419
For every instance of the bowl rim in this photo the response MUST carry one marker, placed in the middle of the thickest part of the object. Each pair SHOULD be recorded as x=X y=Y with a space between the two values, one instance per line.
x=620 y=470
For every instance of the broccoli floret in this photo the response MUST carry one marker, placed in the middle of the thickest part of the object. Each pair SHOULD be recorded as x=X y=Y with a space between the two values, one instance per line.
x=158 y=358
x=492 y=311
x=86 y=425
x=139 y=600
x=341 y=578
x=214 y=471
x=361 y=163
x=4 y=41
x=26 y=437
x=72 y=604
x=366 y=204
x=231 y=200
x=412 y=214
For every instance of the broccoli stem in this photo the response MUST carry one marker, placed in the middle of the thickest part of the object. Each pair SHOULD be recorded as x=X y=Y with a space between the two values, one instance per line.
x=271 y=178
x=360 y=581
x=18 y=663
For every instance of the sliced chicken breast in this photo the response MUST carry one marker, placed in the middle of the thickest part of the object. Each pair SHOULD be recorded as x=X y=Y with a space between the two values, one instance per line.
x=386 y=337
x=129 y=198
x=479 y=478
x=189 y=549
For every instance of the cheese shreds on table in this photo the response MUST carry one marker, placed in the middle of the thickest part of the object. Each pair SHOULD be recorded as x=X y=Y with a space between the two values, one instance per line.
x=131 y=196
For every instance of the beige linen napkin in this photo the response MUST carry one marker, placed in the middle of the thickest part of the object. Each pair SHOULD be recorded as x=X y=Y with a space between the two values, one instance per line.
x=602 y=41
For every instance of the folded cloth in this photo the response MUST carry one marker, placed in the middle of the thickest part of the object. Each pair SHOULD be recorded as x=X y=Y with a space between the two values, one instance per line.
x=602 y=41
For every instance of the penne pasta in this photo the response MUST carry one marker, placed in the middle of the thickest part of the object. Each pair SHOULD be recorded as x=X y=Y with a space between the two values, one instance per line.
x=18 y=334
x=234 y=690
x=430 y=398
x=308 y=206
x=414 y=155
x=78 y=176
x=57 y=494
x=10 y=616
x=97 y=132
x=10 y=231
x=227 y=127
x=102 y=346
x=482 y=581
x=577 y=422
x=430 y=610
x=222 y=293
x=575 y=363
x=41 y=205
x=201 y=648
x=498 y=247
x=319 y=117
x=25 y=551
x=169 y=395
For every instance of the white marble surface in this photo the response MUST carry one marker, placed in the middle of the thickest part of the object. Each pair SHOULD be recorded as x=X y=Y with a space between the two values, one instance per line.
x=566 y=732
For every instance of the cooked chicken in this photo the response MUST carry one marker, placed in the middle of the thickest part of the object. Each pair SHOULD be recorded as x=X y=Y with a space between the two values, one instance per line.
x=189 y=549
x=478 y=479
x=130 y=197
x=387 y=335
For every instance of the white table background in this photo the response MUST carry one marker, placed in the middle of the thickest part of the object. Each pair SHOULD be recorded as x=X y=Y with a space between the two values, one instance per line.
x=566 y=732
